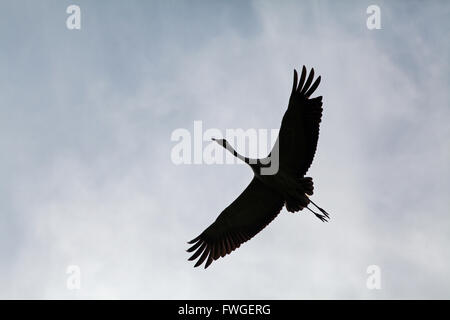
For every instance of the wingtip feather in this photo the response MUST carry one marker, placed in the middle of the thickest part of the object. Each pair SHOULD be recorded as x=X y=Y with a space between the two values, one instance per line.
x=294 y=85
x=194 y=240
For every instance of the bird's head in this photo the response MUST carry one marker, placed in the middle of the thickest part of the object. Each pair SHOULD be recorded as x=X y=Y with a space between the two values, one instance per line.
x=222 y=142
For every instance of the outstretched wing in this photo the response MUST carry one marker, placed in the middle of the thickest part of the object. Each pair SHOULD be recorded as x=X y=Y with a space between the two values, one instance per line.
x=255 y=208
x=299 y=132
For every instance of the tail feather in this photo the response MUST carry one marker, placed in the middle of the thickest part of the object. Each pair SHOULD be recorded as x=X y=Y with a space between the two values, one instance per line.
x=308 y=185
x=298 y=203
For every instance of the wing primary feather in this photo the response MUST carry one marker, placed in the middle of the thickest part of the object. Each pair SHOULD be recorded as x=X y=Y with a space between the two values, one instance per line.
x=302 y=79
x=228 y=245
x=294 y=86
x=223 y=249
x=193 y=240
x=210 y=259
x=216 y=250
x=308 y=82
x=195 y=246
x=203 y=257
x=234 y=243
x=239 y=238
x=198 y=252
x=313 y=87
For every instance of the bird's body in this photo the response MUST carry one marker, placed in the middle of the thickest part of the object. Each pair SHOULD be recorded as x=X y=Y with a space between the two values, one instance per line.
x=278 y=179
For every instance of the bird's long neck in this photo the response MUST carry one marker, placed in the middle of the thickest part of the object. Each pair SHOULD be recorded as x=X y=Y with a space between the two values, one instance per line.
x=249 y=161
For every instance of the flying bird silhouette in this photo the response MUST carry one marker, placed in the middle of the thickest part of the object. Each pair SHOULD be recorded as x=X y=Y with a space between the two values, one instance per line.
x=266 y=194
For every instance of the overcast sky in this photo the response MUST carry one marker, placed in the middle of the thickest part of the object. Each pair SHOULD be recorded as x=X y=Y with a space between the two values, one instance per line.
x=86 y=176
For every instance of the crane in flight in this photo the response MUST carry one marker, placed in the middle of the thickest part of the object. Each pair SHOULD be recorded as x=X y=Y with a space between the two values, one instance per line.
x=266 y=194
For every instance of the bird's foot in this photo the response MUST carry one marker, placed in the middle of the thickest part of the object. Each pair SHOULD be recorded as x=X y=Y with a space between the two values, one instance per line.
x=320 y=209
x=325 y=214
x=321 y=217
